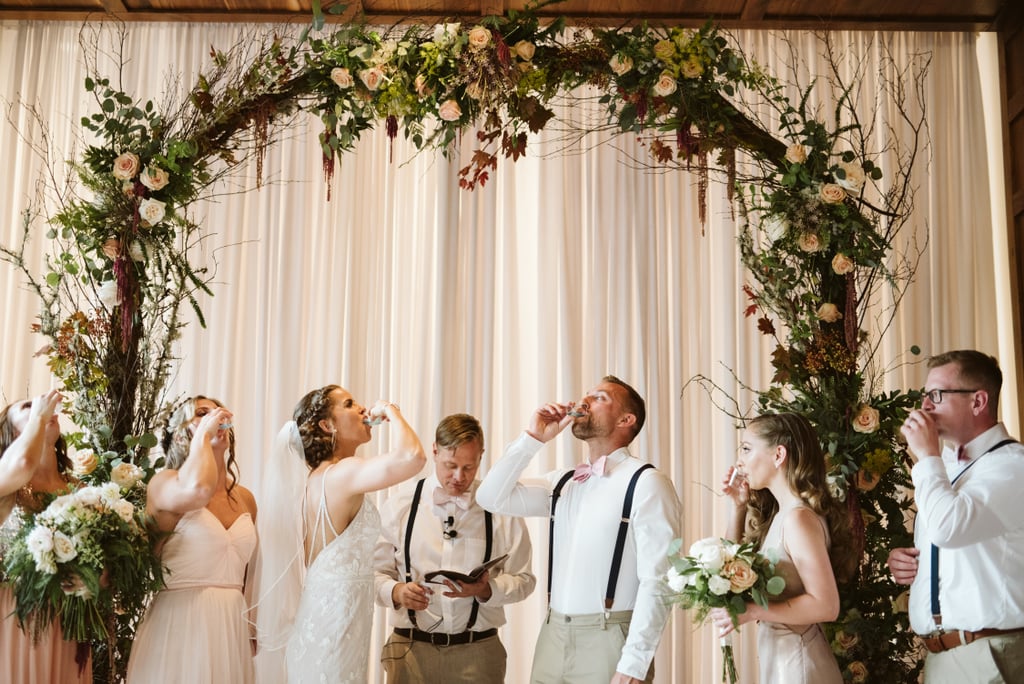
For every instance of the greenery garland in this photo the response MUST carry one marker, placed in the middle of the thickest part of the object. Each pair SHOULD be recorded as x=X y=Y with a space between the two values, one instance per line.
x=819 y=234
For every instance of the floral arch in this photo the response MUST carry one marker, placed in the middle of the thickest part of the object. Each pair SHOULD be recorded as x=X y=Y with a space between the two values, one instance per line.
x=820 y=217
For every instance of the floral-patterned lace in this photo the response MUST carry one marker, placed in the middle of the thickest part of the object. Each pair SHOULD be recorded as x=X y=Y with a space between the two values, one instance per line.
x=330 y=640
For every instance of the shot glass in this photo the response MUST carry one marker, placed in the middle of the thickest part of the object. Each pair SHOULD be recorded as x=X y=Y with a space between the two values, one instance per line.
x=576 y=411
x=376 y=415
x=738 y=477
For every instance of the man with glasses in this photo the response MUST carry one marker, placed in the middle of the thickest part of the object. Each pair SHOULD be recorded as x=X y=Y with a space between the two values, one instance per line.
x=446 y=627
x=967 y=588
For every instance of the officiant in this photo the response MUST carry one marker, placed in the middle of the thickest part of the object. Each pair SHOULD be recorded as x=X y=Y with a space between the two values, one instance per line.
x=446 y=629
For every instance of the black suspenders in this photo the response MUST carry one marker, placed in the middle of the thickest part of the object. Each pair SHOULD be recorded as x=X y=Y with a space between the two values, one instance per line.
x=620 y=539
x=489 y=542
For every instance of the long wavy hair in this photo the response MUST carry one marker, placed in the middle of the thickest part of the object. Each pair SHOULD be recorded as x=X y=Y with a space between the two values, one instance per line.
x=317 y=443
x=8 y=433
x=805 y=473
x=178 y=437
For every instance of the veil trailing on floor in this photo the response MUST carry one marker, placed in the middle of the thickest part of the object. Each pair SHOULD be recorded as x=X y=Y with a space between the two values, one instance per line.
x=280 y=571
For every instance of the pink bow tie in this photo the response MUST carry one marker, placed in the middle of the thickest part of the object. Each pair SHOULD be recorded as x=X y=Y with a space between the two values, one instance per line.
x=585 y=470
x=442 y=497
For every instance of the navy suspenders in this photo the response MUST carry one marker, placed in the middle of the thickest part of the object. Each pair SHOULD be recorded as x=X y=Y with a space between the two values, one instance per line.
x=489 y=531
x=620 y=539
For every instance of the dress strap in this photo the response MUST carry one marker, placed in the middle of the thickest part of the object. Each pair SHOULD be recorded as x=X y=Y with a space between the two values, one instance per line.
x=323 y=519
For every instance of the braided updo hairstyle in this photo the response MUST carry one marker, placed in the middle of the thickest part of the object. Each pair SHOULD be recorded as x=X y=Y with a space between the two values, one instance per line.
x=317 y=443
x=805 y=474
x=178 y=438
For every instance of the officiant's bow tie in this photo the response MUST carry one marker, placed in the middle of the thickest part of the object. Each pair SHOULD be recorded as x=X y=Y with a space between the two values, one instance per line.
x=585 y=470
x=463 y=501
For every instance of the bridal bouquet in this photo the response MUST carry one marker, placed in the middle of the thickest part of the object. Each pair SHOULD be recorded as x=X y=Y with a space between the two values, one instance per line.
x=86 y=555
x=718 y=573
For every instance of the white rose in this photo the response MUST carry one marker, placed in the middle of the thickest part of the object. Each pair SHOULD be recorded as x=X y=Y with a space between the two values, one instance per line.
x=110 y=492
x=708 y=553
x=666 y=84
x=88 y=496
x=854 y=180
x=126 y=166
x=125 y=475
x=621 y=64
x=676 y=581
x=719 y=586
x=107 y=292
x=479 y=37
x=796 y=154
x=152 y=211
x=445 y=33
x=44 y=563
x=342 y=77
x=449 y=111
x=63 y=548
x=155 y=178
x=775 y=227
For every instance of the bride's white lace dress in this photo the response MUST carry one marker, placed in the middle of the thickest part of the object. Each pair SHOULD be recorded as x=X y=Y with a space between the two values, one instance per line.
x=330 y=640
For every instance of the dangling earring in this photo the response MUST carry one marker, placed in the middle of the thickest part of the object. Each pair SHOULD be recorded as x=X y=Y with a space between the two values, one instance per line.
x=334 y=435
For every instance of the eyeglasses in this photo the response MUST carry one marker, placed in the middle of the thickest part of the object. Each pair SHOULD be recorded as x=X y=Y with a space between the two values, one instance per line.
x=935 y=395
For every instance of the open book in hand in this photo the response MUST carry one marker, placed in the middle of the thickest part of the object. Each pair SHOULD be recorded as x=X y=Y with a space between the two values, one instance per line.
x=439 y=576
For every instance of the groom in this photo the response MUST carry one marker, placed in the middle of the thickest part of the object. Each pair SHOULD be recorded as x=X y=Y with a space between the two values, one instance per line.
x=613 y=518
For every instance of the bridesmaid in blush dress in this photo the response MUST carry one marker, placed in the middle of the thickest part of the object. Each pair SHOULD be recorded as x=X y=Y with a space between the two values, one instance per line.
x=195 y=630
x=783 y=503
x=33 y=461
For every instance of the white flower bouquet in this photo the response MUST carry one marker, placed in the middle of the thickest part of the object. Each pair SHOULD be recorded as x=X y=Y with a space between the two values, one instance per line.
x=718 y=573
x=87 y=554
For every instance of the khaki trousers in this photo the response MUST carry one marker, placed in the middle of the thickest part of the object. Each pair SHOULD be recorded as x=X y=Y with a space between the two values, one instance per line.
x=995 y=660
x=417 y=662
x=581 y=649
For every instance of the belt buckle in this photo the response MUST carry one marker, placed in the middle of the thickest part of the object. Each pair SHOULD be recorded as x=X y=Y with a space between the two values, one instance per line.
x=446 y=642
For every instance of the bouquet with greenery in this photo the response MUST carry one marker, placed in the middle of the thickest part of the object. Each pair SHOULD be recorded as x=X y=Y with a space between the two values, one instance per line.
x=85 y=549
x=718 y=573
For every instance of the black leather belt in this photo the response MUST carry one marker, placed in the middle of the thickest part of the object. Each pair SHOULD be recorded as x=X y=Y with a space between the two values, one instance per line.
x=439 y=639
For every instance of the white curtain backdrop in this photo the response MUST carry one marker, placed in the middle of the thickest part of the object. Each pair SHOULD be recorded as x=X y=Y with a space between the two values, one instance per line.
x=563 y=268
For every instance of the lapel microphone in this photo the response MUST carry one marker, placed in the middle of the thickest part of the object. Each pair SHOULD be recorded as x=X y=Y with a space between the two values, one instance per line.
x=449 y=531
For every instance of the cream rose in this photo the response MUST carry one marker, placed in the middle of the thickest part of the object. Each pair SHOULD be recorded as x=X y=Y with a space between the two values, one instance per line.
x=126 y=475
x=152 y=211
x=621 y=64
x=809 y=242
x=691 y=68
x=866 y=420
x=63 y=548
x=371 y=78
x=741 y=575
x=858 y=672
x=796 y=154
x=342 y=77
x=829 y=313
x=854 y=177
x=525 y=50
x=40 y=540
x=420 y=84
x=449 y=111
x=155 y=178
x=83 y=462
x=126 y=166
x=111 y=247
x=664 y=50
x=479 y=37
x=124 y=509
x=842 y=264
x=846 y=641
x=709 y=554
x=666 y=84
x=831 y=193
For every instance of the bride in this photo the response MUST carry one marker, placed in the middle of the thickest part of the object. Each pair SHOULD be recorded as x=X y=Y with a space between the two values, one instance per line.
x=318 y=532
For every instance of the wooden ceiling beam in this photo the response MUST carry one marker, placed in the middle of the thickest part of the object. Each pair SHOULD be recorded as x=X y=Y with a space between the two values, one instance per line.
x=753 y=10
x=114 y=6
x=490 y=8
